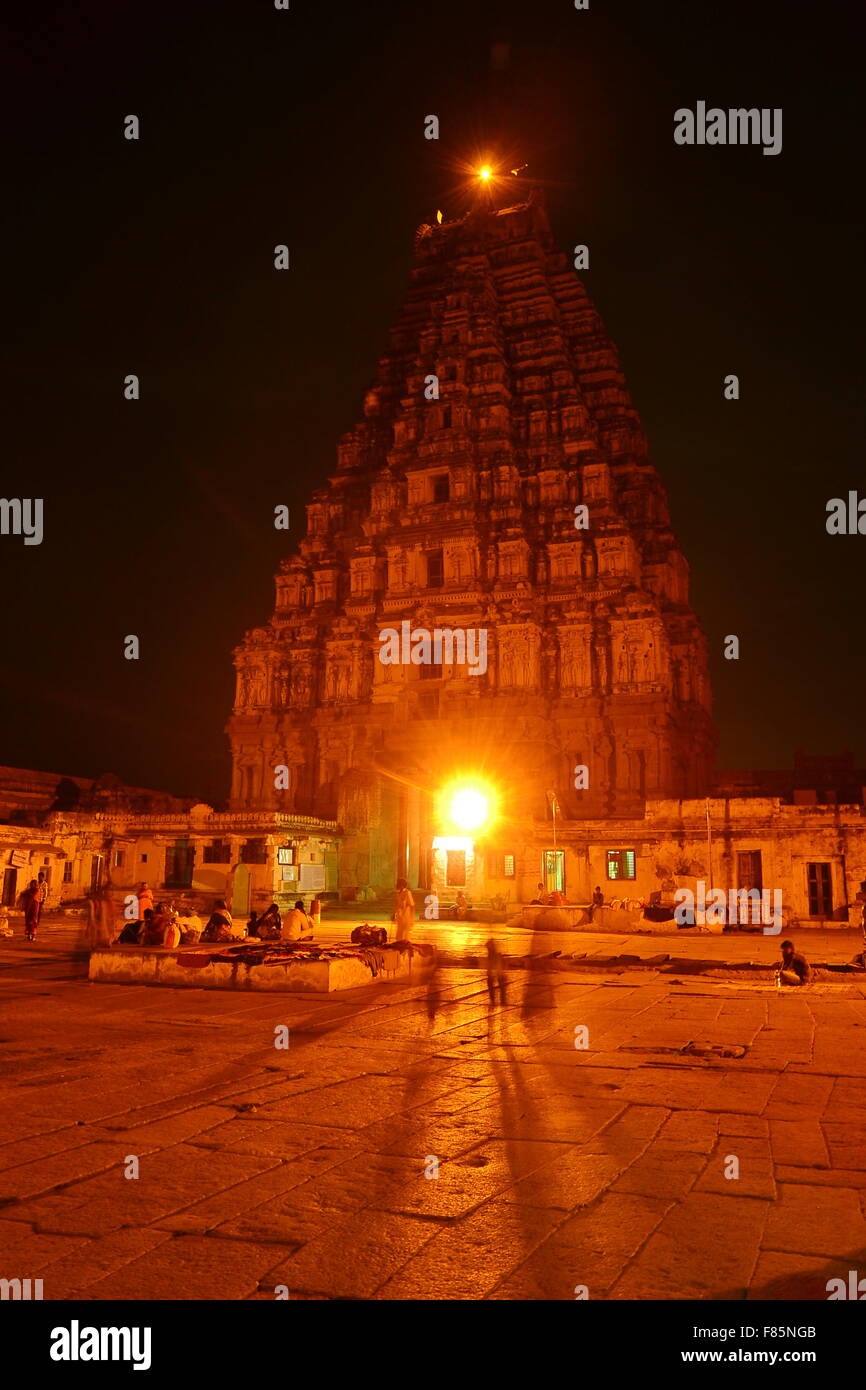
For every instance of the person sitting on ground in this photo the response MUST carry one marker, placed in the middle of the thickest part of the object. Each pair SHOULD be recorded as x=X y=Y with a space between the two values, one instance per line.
x=542 y=897
x=253 y=924
x=269 y=925
x=795 y=969
x=189 y=923
x=461 y=906
x=220 y=926
x=131 y=933
x=153 y=931
x=171 y=934
x=296 y=924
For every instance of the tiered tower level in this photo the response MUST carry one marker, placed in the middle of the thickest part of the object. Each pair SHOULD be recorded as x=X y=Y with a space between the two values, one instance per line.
x=459 y=512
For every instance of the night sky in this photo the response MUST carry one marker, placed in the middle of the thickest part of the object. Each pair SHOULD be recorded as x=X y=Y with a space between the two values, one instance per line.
x=306 y=127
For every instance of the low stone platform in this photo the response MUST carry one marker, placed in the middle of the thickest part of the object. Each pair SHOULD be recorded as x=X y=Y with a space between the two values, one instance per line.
x=272 y=968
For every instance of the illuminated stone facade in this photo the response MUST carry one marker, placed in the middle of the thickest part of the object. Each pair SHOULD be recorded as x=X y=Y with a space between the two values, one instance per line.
x=498 y=412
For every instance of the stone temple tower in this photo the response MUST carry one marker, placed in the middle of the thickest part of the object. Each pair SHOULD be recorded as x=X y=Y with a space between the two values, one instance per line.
x=499 y=412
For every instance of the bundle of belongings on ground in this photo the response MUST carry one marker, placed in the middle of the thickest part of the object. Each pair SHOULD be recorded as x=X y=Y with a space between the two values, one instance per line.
x=366 y=935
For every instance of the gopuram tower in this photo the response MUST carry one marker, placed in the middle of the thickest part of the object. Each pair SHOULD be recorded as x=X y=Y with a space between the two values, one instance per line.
x=499 y=482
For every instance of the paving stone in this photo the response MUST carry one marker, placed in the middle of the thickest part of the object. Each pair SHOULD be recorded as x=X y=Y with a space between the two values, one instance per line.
x=831 y=1177
x=161 y=1133
x=189 y=1267
x=202 y=1216
x=355 y=1256
x=795 y=1092
x=43 y=1146
x=756 y=1177
x=30 y=1179
x=689 y=1129
x=816 y=1220
x=467 y=1260
x=706 y=1247
x=28 y=1252
x=749 y=1126
x=94 y=1259
x=592 y=1248
x=799 y=1143
x=662 y=1172
x=800 y=1278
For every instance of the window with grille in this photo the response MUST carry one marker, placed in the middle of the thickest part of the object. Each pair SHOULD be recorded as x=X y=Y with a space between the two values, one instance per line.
x=749 y=871
x=620 y=863
x=820 y=888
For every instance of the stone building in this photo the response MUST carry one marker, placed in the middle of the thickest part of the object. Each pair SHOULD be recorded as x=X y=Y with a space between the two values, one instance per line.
x=498 y=484
x=249 y=859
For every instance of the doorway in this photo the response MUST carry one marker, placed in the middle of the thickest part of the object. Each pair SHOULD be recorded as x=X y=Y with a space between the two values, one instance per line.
x=241 y=892
x=10 y=887
x=553 y=870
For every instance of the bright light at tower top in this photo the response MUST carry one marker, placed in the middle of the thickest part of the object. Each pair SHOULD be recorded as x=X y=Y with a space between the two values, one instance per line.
x=485 y=173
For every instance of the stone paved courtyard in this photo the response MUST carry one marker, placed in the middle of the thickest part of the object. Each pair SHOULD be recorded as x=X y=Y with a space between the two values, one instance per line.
x=557 y=1166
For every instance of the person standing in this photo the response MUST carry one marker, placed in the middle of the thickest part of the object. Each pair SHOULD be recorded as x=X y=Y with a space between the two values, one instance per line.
x=42 y=886
x=145 y=899
x=404 y=910
x=316 y=913
x=30 y=903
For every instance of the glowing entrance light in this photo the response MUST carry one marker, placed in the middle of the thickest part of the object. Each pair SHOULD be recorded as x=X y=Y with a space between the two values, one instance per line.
x=469 y=808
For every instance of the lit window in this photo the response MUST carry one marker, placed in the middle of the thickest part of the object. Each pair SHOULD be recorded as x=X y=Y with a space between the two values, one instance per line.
x=620 y=863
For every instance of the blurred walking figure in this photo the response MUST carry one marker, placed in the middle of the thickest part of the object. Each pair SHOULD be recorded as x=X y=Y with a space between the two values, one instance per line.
x=497 y=979
x=42 y=886
x=433 y=987
x=404 y=910
x=316 y=913
x=100 y=917
x=145 y=898
x=539 y=992
x=30 y=903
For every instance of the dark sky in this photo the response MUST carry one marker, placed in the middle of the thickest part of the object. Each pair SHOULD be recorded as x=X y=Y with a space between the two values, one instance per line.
x=306 y=127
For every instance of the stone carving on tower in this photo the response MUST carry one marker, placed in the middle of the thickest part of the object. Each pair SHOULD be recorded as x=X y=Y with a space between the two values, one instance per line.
x=517 y=498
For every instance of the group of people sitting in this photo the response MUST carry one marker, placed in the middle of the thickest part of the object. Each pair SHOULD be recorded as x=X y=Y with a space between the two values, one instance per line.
x=545 y=899
x=168 y=926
